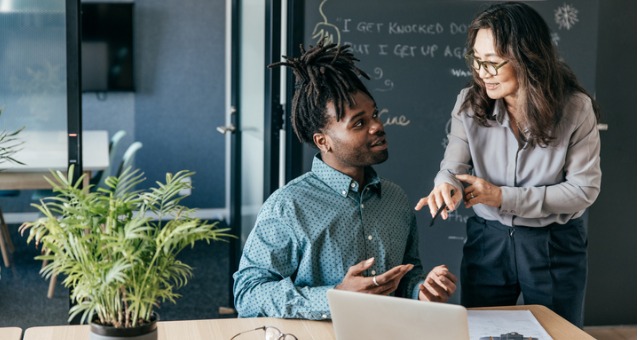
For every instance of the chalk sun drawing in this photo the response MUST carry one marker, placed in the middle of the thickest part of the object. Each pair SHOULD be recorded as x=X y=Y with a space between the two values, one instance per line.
x=566 y=16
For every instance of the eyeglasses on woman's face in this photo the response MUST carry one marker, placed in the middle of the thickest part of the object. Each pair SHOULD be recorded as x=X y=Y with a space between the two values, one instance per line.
x=489 y=66
x=270 y=333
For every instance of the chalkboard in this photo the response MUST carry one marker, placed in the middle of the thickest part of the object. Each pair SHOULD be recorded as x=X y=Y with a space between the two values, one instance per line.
x=413 y=50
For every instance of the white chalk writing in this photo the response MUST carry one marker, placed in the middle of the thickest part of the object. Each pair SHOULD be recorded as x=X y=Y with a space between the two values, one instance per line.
x=383 y=39
x=388 y=119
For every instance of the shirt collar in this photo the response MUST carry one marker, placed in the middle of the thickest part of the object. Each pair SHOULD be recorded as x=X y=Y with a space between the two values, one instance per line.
x=341 y=182
x=500 y=113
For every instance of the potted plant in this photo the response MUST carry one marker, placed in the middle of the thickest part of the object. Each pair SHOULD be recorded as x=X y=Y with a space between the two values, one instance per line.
x=9 y=145
x=117 y=256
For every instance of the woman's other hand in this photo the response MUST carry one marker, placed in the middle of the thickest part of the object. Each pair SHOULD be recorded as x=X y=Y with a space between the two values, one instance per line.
x=480 y=191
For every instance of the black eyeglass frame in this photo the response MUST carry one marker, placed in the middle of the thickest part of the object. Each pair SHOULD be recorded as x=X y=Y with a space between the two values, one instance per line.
x=476 y=63
x=264 y=328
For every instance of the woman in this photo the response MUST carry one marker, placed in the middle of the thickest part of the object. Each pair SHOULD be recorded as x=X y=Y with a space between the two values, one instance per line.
x=528 y=132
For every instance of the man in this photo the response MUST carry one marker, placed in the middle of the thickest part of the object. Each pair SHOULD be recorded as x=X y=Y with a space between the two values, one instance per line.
x=340 y=225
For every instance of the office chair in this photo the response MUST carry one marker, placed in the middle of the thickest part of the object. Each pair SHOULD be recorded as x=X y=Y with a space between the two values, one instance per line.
x=97 y=180
x=128 y=157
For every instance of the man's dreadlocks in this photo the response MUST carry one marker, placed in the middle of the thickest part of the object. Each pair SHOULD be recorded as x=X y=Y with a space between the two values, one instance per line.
x=323 y=74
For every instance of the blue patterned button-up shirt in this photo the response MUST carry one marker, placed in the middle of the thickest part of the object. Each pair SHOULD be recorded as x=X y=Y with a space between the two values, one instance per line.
x=309 y=233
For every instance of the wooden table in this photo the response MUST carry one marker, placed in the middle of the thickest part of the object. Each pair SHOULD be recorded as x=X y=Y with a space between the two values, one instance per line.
x=10 y=333
x=43 y=151
x=224 y=329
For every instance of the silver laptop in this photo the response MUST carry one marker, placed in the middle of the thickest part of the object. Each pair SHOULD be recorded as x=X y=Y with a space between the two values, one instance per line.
x=358 y=316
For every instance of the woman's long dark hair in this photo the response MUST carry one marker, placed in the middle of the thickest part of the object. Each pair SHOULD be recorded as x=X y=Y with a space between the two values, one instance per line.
x=523 y=37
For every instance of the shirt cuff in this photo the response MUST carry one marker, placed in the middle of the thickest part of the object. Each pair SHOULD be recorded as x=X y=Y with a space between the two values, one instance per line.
x=416 y=291
x=319 y=303
x=509 y=204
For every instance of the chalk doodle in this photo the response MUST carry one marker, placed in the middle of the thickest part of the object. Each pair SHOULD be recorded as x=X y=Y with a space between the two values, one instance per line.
x=463 y=239
x=325 y=30
x=447 y=131
x=566 y=16
x=555 y=37
x=378 y=74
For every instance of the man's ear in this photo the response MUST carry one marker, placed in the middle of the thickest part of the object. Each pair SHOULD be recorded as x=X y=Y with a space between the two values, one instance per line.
x=322 y=142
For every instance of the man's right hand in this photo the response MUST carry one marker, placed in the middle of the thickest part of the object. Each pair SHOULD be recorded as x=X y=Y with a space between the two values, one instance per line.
x=387 y=282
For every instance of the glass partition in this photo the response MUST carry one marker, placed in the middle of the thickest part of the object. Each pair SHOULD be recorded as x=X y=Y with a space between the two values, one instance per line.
x=33 y=88
x=33 y=95
x=252 y=69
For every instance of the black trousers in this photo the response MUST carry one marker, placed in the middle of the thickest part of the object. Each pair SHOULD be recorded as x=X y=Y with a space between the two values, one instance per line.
x=548 y=265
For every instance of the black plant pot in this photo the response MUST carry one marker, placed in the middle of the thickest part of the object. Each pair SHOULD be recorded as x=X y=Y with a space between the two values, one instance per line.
x=148 y=331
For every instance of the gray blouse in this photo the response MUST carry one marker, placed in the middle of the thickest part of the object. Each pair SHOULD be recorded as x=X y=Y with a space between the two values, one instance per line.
x=540 y=185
